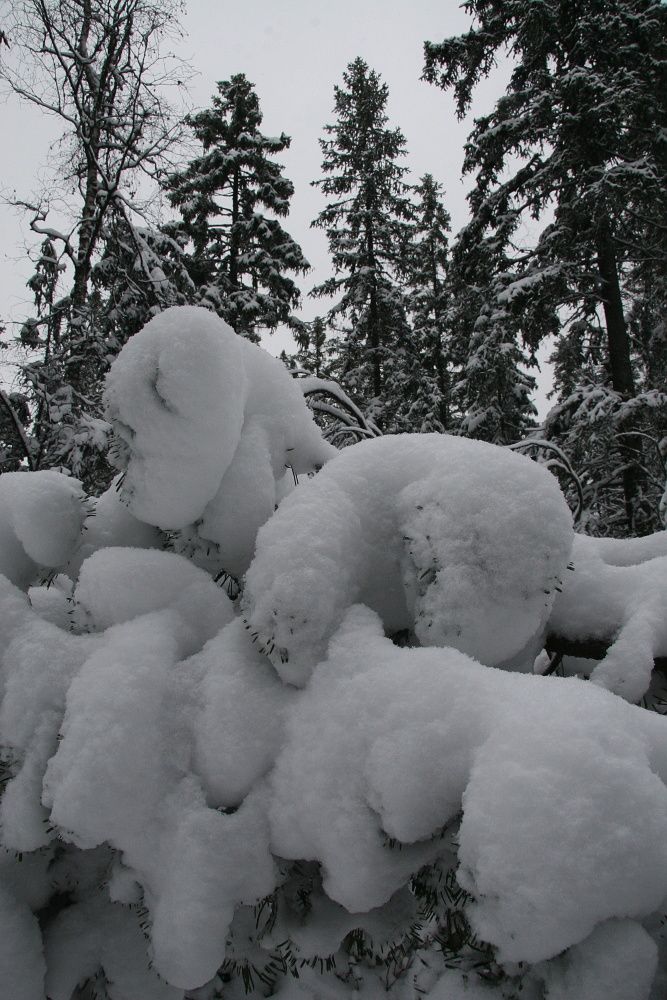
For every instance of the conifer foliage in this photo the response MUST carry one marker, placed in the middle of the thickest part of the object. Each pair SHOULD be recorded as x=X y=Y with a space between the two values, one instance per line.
x=367 y=225
x=242 y=260
x=577 y=134
x=426 y=375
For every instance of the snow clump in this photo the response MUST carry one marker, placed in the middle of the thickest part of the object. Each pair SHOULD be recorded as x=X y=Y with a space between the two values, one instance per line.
x=41 y=516
x=196 y=790
x=459 y=541
x=207 y=427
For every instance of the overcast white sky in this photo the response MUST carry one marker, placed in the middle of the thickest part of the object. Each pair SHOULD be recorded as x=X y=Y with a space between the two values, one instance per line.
x=294 y=51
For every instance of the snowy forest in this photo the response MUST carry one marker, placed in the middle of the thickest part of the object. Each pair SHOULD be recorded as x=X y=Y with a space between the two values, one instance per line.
x=341 y=672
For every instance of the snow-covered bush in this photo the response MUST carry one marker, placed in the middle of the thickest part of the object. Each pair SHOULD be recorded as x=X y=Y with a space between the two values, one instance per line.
x=354 y=778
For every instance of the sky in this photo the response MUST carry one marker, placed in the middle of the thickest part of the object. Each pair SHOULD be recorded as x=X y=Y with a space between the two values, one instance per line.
x=294 y=51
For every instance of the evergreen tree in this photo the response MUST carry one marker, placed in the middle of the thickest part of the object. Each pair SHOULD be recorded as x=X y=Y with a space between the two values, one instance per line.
x=15 y=450
x=367 y=226
x=241 y=257
x=313 y=346
x=577 y=134
x=425 y=376
x=493 y=390
x=142 y=271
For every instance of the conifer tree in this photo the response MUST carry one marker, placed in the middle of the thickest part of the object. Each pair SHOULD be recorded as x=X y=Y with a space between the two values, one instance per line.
x=230 y=198
x=15 y=450
x=493 y=387
x=367 y=226
x=578 y=134
x=142 y=270
x=313 y=350
x=424 y=378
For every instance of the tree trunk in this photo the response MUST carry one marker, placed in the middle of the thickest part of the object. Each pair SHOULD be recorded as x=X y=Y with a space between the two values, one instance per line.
x=620 y=364
x=373 y=315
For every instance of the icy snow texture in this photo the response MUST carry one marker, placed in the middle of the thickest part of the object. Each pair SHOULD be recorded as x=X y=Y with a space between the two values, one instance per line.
x=462 y=541
x=120 y=776
x=37 y=663
x=100 y=728
x=617 y=594
x=208 y=423
x=41 y=514
x=563 y=809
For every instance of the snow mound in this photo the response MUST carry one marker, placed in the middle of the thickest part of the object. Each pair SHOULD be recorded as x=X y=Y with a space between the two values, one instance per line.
x=111 y=523
x=617 y=962
x=617 y=594
x=563 y=813
x=175 y=397
x=463 y=542
x=118 y=584
x=22 y=965
x=96 y=935
x=239 y=721
x=41 y=515
x=206 y=425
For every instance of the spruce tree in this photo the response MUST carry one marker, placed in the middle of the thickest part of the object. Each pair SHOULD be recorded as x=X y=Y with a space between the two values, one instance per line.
x=230 y=199
x=577 y=140
x=367 y=226
x=142 y=270
x=426 y=373
x=313 y=351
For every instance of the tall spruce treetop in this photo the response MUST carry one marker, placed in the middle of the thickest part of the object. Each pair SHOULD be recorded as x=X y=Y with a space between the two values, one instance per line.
x=425 y=403
x=366 y=223
x=241 y=256
x=579 y=133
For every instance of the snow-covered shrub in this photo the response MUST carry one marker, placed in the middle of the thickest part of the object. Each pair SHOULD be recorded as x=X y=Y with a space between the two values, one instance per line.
x=354 y=778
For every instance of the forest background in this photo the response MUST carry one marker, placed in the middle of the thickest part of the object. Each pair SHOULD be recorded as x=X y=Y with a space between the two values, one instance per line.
x=546 y=267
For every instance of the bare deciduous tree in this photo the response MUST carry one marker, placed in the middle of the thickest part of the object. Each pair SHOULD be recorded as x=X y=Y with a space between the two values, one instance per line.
x=97 y=66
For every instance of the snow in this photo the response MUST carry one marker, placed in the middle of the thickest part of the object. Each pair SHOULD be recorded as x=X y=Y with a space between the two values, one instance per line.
x=190 y=781
x=175 y=398
x=214 y=862
x=41 y=515
x=617 y=962
x=111 y=523
x=22 y=965
x=240 y=716
x=452 y=985
x=616 y=593
x=377 y=724
x=460 y=541
x=96 y=935
x=119 y=584
x=206 y=424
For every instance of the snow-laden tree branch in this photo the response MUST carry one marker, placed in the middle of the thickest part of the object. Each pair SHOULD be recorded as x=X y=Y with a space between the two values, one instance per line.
x=202 y=797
